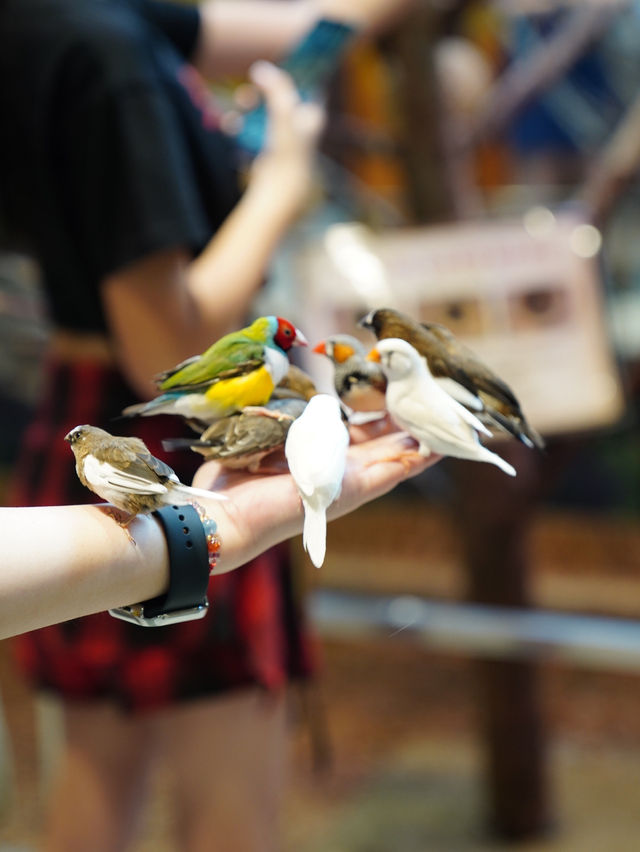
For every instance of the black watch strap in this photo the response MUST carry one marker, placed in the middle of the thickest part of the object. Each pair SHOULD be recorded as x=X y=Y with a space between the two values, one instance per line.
x=186 y=597
x=188 y=562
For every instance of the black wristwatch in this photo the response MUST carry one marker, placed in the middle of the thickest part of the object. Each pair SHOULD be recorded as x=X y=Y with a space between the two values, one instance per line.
x=186 y=598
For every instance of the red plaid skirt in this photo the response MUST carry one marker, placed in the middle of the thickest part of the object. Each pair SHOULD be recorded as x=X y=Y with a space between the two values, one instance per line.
x=254 y=632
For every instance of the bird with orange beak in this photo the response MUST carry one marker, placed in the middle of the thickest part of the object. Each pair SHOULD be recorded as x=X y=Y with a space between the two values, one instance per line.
x=458 y=371
x=427 y=412
x=360 y=383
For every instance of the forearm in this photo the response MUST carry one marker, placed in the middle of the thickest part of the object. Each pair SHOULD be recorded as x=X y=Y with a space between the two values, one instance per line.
x=166 y=308
x=235 y=33
x=230 y=270
x=62 y=562
x=66 y=561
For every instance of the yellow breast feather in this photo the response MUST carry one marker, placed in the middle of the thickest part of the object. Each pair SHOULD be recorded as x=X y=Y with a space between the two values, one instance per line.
x=254 y=388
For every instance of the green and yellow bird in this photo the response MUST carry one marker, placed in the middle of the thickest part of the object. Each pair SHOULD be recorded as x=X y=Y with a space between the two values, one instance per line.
x=242 y=368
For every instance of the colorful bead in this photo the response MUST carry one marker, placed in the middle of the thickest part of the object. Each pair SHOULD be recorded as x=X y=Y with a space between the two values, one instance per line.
x=214 y=542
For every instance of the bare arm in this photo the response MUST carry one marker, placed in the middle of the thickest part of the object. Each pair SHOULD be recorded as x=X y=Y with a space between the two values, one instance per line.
x=60 y=562
x=165 y=307
x=90 y=565
x=235 y=33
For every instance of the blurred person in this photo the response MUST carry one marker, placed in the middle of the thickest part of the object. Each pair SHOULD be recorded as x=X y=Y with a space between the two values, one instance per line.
x=118 y=178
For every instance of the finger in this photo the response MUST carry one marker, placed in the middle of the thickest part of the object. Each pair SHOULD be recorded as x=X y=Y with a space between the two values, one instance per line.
x=246 y=97
x=231 y=122
x=310 y=119
x=276 y=86
x=377 y=466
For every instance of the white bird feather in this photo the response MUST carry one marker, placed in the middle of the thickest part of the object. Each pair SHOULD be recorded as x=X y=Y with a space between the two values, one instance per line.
x=112 y=484
x=427 y=412
x=316 y=450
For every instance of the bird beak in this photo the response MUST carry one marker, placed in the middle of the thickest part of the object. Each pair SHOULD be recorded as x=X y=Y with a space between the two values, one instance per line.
x=69 y=436
x=300 y=339
x=320 y=348
x=374 y=355
x=365 y=322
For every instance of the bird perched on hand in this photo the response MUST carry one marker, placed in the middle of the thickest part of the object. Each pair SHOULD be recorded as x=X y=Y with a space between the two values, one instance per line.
x=296 y=384
x=242 y=368
x=244 y=439
x=460 y=372
x=316 y=451
x=359 y=383
x=122 y=471
x=428 y=413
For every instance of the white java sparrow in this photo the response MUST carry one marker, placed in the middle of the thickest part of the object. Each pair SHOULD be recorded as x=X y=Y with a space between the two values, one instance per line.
x=459 y=371
x=316 y=452
x=122 y=471
x=428 y=413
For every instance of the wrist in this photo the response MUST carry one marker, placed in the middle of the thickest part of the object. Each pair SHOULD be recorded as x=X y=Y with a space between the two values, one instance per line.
x=192 y=546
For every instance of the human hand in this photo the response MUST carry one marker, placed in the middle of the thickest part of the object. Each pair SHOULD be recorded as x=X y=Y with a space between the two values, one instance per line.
x=285 y=163
x=263 y=510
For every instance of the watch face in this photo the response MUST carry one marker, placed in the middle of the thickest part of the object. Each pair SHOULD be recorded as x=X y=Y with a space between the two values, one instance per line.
x=135 y=615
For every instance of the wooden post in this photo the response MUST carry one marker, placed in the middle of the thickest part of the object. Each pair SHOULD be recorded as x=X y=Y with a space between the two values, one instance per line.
x=492 y=511
x=493 y=515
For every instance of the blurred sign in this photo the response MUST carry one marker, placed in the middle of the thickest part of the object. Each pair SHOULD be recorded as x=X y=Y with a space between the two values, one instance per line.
x=524 y=294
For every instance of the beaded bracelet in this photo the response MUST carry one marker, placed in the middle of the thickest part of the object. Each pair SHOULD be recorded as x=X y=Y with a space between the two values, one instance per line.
x=214 y=542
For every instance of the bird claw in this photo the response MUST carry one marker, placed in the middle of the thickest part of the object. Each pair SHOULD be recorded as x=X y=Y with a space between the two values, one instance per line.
x=122 y=519
x=263 y=411
x=404 y=458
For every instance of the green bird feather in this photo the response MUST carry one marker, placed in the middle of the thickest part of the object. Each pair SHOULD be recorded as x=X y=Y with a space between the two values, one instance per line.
x=234 y=354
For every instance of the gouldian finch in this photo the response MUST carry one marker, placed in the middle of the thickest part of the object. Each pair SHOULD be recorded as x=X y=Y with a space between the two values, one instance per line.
x=359 y=383
x=239 y=369
x=316 y=451
x=243 y=440
x=122 y=471
x=428 y=413
x=458 y=370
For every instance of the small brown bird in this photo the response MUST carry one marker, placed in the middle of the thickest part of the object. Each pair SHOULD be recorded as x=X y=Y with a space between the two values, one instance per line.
x=359 y=383
x=458 y=371
x=295 y=385
x=243 y=440
x=122 y=471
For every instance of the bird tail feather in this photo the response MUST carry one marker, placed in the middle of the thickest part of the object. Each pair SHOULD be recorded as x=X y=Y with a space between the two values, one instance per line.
x=494 y=458
x=191 y=493
x=314 y=534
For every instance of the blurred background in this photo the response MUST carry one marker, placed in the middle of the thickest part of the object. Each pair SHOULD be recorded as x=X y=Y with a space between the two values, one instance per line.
x=480 y=638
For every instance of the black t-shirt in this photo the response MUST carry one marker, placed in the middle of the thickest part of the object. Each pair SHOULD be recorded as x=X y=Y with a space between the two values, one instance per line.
x=109 y=146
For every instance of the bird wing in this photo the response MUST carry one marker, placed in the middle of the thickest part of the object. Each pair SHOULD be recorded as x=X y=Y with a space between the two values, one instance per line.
x=483 y=378
x=435 y=415
x=232 y=355
x=460 y=393
x=131 y=462
x=127 y=481
x=315 y=454
x=296 y=383
x=472 y=420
